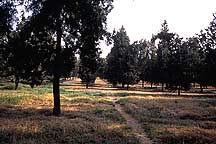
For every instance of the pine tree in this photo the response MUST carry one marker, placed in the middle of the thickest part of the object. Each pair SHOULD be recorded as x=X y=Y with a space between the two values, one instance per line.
x=146 y=61
x=207 y=41
x=115 y=59
x=122 y=61
x=164 y=46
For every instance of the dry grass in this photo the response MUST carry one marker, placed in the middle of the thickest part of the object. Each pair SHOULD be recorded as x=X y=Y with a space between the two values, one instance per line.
x=85 y=118
x=175 y=120
x=88 y=116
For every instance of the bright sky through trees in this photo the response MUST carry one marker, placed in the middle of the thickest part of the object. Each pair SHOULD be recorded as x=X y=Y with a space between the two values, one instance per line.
x=142 y=18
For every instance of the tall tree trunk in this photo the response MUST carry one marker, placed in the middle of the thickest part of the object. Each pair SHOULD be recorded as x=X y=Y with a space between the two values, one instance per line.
x=151 y=84
x=142 y=83
x=56 y=73
x=201 y=88
x=127 y=86
x=123 y=85
x=162 y=86
x=179 y=90
x=16 y=82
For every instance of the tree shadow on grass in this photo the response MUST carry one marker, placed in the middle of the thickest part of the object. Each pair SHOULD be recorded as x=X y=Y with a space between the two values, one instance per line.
x=32 y=125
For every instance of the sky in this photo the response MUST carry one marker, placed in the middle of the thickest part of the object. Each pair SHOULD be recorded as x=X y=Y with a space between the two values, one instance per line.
x=142 y=18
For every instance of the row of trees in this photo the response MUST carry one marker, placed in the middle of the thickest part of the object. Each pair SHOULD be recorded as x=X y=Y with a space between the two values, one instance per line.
x=167 y=59
x=43 y=45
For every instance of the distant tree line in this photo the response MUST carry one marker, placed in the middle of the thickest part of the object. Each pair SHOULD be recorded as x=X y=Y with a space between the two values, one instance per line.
x=166 y=59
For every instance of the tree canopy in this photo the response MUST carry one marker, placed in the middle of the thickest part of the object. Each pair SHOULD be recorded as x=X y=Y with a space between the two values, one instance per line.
x=46 y=41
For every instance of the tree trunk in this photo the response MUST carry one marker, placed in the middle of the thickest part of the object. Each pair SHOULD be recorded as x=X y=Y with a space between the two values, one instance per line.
x=114 y=85
x=87 y=85
x=142 y=83
x=162 y=86
x=151 y=85
x=56 y=94
x=179 y=90
x=123 y=85
x=201 y=88
x=56 y=73
x=16 y=82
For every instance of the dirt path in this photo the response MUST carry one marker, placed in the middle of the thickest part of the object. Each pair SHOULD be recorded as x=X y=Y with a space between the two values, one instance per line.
x=134 y=125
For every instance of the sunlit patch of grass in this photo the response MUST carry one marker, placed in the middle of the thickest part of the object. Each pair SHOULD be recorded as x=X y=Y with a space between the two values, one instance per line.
x=12 y=100
x=82 y=93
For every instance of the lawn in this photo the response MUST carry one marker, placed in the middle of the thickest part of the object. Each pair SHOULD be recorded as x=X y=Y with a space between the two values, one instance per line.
x=89 y=116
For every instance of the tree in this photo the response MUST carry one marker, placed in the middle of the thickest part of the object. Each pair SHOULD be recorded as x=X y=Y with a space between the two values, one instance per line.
x=80 y=24
x=207 y=41
x=122 y=60
x=179 y=65
x=131 y=75
x=194 y=58
x=115 y=58
x=7 y=12
x=164 y=45
x=102 y=65
x=146 y=61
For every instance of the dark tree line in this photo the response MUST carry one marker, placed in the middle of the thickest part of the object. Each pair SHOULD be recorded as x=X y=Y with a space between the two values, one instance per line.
x=168 y=59
x=43 y=45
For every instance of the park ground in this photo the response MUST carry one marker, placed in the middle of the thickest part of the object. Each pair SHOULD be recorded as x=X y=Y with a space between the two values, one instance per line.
x=106 y=115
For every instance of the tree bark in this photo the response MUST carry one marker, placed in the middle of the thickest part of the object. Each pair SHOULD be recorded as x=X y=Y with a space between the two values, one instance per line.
x=179 y=90
x=16 y=82
x=56 y=73
x=201 y=88
x=162 y=86
x=142 y=83
x=87 y=85
x=123 y=85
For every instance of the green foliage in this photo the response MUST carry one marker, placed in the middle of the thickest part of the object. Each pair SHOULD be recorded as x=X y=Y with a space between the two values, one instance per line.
x=35 y=48
x=7 y=18
x=146 y=60
x=122 y=60
x=207 y=41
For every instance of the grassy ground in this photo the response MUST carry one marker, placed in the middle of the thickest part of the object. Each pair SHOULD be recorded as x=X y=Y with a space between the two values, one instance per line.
x=88 y=116
x=179 y=120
